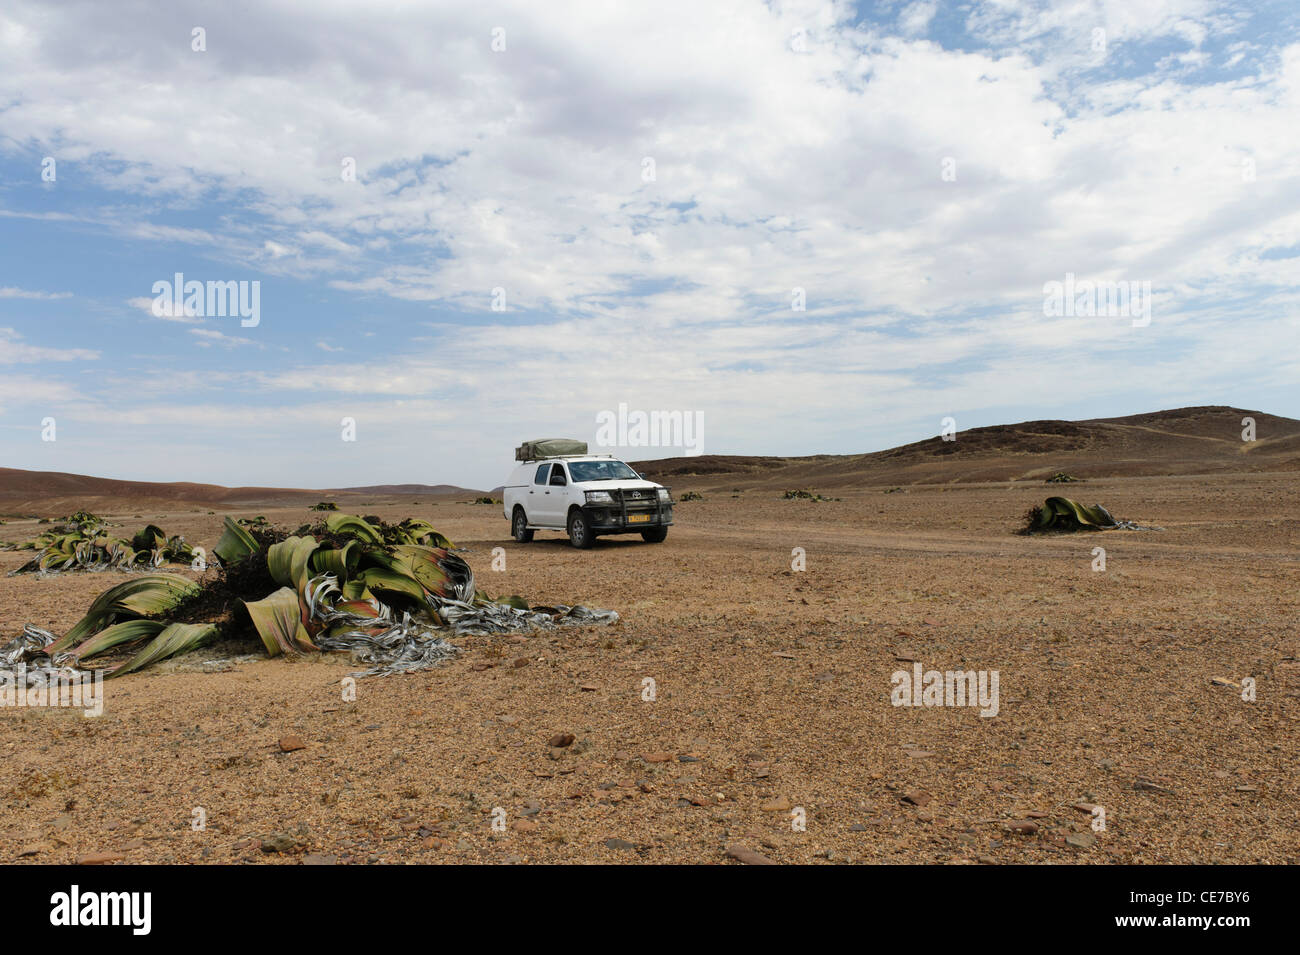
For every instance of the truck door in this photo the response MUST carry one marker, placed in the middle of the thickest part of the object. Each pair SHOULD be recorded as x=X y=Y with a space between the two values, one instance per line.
x=551 y=497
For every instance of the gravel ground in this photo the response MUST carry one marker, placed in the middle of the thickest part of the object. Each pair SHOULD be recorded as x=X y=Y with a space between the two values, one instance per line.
x=771 y=728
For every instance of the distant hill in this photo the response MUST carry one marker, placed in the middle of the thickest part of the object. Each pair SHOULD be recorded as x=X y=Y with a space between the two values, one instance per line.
x=1182 y=441
x=427 y=489
x=1200 y=440
x=55 y=492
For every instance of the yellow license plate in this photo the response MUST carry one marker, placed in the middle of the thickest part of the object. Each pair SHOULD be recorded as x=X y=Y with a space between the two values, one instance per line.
x=638 y=518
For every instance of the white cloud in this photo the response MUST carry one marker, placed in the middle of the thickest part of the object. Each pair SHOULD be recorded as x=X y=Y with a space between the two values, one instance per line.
x=210 y=336
x=10 y=291
x=915 y=18
x=14 y=351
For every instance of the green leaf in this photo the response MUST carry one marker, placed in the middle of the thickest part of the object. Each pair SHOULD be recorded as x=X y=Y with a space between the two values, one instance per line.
x=128 y=631
x=175 y=638
x=236 y=544
x=341 y=562
x=416 y=531
x=151 y=537
x=145 y=596
x=278 y=619
x=287 y=560
x=389 y=585
x=439 y=571
x=349 y=525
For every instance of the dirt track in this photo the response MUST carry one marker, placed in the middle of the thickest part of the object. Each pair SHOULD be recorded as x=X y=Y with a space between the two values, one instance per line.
x=773 y=688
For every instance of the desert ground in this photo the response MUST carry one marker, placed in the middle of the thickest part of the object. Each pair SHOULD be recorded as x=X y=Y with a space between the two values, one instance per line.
x=772 y=698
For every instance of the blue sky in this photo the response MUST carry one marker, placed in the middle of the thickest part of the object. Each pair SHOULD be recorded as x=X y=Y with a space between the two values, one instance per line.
x=919 y=170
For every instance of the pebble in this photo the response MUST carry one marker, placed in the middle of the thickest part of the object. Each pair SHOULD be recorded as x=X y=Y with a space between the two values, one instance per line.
x=747 y=856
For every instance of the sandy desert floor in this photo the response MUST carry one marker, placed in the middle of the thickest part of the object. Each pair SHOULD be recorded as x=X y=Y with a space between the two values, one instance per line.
x=772 y=698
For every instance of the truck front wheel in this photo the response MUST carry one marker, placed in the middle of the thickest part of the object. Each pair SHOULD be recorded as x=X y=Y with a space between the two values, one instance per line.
x=580 y=534
x=655 y=536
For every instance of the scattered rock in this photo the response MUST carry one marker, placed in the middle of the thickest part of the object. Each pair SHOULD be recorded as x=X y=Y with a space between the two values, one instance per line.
x=620 y=844
x=561 y=740
x=747 y=856
x=1081 y=840
x=317 y=859
x=290 y=743
x=1024 y=827
x=100 y=858
x=918 y=797
x=658 y=757
x=779 y=804
x=280 y=842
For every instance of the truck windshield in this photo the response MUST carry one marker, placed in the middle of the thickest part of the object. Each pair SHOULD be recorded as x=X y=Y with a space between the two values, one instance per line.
x=601 y=471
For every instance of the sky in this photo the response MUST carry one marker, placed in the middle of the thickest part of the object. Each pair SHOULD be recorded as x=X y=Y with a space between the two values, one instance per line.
x=812 y=227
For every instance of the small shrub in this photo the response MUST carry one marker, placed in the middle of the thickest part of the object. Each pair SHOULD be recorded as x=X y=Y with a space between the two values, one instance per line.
x=805 y=496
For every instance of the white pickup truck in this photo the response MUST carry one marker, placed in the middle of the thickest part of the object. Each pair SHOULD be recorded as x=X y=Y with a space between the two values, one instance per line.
x=587 y=495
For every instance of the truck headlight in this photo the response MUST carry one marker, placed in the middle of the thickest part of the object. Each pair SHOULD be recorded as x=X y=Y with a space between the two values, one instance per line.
x=599 y=497
x=664 y=496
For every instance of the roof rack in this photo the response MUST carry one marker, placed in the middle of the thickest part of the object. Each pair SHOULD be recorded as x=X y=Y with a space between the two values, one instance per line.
x=552 y=457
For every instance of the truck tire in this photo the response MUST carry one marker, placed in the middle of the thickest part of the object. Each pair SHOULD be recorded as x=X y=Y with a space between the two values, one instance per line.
x=580 y=535
x=519 y=526
x=655 y=536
